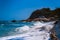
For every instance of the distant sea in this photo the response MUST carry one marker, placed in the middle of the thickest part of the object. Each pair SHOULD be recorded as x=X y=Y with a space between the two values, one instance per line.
x=12 y=30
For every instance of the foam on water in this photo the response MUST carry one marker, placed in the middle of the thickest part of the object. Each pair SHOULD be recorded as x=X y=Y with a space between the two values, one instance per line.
x=39 y=31
x=22 y=29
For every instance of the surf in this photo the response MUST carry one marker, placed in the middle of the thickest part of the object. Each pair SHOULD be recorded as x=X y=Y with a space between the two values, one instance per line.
x=38 y=31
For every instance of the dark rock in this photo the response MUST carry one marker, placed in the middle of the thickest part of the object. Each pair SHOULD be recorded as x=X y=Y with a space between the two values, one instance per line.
x=45 y=13
x=38 y=13
x=13 y=21
x=53 y=35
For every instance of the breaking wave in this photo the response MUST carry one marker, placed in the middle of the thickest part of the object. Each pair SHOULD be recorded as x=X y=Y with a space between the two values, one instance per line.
x=37 y=31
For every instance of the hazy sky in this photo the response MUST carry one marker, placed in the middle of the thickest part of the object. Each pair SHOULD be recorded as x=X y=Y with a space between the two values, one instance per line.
x=22 y=9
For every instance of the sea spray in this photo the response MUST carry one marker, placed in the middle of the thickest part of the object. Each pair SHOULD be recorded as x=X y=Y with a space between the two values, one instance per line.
x=38 y=31
x=22 y=29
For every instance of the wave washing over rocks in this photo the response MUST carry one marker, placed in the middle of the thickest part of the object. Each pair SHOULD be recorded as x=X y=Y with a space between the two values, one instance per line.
x=43 y=28
x=39 y=31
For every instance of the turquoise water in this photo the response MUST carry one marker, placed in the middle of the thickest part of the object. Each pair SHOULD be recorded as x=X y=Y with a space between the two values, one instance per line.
x=9 y=29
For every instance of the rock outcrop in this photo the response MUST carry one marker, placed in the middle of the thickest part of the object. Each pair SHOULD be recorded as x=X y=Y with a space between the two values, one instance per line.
x=45 y=13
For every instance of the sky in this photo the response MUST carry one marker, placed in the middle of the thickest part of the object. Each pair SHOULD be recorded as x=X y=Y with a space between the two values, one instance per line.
x=22 y=9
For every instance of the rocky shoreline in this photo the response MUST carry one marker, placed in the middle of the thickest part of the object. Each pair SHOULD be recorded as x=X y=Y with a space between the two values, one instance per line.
x=45 y=14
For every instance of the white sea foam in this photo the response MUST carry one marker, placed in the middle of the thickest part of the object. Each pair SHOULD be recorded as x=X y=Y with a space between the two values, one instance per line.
x=22 y=29
x=39 y=31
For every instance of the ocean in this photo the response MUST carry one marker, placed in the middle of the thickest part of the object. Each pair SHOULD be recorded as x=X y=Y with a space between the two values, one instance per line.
x=28 y=30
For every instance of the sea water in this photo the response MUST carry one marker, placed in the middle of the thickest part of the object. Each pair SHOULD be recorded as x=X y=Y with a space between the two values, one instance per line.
x=26 y=31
